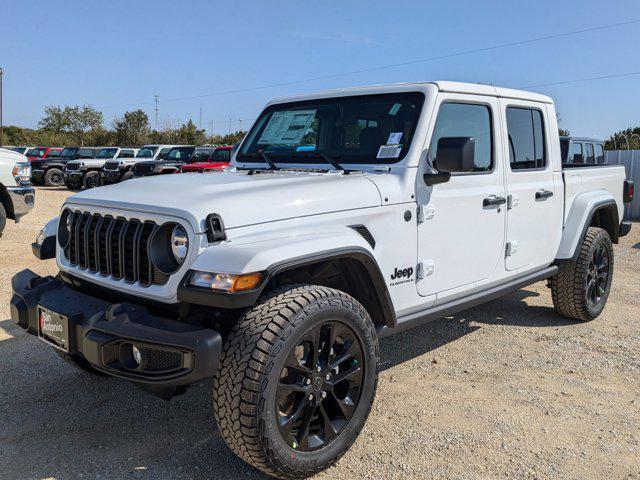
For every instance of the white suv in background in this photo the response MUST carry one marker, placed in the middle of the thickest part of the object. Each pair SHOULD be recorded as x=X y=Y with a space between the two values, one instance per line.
x=119 y=169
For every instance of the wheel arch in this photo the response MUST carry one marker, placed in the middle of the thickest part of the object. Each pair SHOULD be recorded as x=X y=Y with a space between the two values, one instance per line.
x=597 y=209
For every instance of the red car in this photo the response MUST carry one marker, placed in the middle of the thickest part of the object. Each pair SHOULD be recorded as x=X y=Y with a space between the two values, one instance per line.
x=38 y=153
x=206 y=159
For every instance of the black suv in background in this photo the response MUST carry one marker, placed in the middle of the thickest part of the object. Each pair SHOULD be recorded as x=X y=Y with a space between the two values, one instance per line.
x=49 y=171
x=171 y=162
x=580 y=151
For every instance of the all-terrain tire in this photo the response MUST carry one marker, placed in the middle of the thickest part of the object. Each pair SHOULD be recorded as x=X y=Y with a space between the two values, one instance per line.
x=80 y=363
x=127 y=176
x=570 y=287
x=54 y=178
x=3 y=219
x=91 y=180
x=252 y=360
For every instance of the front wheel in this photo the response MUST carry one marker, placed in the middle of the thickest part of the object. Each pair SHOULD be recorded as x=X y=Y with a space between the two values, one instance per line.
x=92 y=180
x=297 y=379
x=581 y=288
x=54 y=178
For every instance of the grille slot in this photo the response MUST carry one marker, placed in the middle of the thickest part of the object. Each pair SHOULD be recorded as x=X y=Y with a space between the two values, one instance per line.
x=162 y=360
x=114 y=247
x=73 y=166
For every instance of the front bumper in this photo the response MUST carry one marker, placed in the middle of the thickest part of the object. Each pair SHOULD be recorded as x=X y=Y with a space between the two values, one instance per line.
x=175 y=354
x=625 y=228
x=23 y=200
x=111 y=176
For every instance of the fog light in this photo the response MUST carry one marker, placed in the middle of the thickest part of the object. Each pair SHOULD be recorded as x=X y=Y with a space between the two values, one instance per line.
x=137 y=354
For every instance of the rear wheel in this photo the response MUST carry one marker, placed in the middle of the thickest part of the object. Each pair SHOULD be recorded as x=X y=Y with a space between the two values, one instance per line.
x=3 y=218
x=297 y=379
x=581 y=288
x=91 y=180
x=54 y=178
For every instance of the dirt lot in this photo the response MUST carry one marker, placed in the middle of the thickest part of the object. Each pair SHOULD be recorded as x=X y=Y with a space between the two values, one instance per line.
x=507 y=390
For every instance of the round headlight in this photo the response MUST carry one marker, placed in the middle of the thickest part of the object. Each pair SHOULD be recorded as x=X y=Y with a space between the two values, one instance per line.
x=179 y=243
x=64 y=228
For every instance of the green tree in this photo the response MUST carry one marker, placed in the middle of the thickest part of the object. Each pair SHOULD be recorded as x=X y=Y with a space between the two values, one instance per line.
x=628 y=139
x=189 y=134
x=563 y=133
x=74 y=120
x=132 y=128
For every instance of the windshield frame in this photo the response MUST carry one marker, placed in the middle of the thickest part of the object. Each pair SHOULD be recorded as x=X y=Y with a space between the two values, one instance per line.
x=247 y=155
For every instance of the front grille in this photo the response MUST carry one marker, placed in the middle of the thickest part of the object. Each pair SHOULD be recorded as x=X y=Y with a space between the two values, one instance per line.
x=73 y=166
x=111 y=165
x=113 y=246
x=143 y=168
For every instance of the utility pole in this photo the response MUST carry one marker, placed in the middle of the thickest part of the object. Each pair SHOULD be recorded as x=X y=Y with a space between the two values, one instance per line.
x=200 y=120
x=229 y=125
x=240 y=123
x=156 y=97
x=211 y=127
x=1 y=72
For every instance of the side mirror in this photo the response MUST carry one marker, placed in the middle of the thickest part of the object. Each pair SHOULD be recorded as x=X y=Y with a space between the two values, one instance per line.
x=453 y=155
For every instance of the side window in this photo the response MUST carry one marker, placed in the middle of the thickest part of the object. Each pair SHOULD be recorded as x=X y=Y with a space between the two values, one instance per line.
x=466 y=120
x=591 y=157
x=599 y=154
x=126 y=154
x=526 y=138
x=576 y=155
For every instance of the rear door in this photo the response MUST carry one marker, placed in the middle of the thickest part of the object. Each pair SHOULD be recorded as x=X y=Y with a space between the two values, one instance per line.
x=461 y=240
x=535 y=204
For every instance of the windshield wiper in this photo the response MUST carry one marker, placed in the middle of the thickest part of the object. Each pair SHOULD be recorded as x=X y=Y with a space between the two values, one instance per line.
x=327 y=158
x=264 y=156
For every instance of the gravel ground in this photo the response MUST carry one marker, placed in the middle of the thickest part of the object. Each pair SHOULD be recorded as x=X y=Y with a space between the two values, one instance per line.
x=506 y=390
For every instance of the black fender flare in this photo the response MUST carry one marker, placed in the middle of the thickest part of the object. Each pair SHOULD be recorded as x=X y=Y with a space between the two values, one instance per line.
x=612 y=229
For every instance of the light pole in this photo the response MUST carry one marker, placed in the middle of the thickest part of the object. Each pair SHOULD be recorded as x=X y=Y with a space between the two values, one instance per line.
x=1 y=72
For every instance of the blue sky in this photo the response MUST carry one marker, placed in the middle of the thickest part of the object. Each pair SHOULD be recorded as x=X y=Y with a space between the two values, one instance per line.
x=116 y=55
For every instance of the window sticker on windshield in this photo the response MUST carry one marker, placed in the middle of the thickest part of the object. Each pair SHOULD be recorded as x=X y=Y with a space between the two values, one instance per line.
x=287 y=127
x=389 y=151
x=394 y=138
x=395 y=108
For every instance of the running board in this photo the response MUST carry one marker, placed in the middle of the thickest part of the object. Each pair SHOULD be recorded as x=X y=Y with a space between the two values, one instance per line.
x=412 y=320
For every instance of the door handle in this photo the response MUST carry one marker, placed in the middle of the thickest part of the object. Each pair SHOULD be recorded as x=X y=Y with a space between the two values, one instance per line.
x=542 y=194
x=493 y=201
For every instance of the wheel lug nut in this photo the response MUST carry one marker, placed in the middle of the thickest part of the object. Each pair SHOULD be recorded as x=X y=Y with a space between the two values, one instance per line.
x=327 y=377
x=310 y=397
x=324 y=394
x=308 y=381
x=318 y=369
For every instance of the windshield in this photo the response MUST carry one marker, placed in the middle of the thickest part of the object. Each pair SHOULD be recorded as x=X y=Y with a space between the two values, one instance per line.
x=147 y=152
x=179 y=153
x=68 y=152
x=20 y=150
x=200 y=155
x=107 y=153
x=356 y=129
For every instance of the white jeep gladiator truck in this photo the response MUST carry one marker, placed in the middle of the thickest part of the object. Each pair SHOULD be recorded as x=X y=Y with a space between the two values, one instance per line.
x=119 y=169
x=87 y=173
x=17 y=196
x=345 y=216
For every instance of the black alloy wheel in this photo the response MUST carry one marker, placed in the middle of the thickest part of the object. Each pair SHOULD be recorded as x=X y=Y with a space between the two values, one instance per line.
x=319 y=386
x=597 y=275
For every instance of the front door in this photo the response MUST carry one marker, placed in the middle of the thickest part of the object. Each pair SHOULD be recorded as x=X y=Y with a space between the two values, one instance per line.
x=461 y=240
x=534 y=218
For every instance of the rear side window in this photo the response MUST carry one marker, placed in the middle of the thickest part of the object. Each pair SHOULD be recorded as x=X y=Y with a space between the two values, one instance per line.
x=53 y=153
x=591 y=157
x=466 y=120
x=221 y=156
x=526 y=138
x=599 y=154
x=576 y=155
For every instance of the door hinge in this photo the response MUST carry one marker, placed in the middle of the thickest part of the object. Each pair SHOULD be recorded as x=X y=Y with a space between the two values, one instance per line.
x=511 y=248
x=425 y=212
x=424 y=269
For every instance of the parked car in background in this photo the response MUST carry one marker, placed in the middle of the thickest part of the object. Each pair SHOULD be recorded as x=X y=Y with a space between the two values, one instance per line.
x=119 y=169
x=207 y=159
x=21 y=150
x=581 y=151
x=50 y=171
x=87 y=173
x=37 y=153
x=279 y=276
x=17 y=196
x=171 y=163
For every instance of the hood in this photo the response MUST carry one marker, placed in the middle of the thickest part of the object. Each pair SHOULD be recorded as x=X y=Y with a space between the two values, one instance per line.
x=239 y=198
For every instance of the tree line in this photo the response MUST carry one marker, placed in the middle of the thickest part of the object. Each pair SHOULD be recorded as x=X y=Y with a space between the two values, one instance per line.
x=84 y=125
